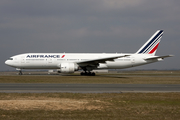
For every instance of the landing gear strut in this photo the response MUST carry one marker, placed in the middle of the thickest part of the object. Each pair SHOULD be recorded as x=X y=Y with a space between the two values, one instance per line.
x=88 y=73
x=20 y=72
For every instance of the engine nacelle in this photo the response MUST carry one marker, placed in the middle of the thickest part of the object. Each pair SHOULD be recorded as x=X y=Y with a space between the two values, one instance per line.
x=68 y=67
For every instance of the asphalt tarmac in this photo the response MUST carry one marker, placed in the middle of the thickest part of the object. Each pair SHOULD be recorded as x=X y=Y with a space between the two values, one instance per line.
x=87 y=88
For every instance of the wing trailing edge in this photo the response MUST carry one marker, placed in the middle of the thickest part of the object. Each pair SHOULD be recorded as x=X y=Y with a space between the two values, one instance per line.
x=100 y=60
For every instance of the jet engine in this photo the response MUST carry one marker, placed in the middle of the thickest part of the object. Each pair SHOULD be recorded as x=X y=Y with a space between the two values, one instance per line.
x=68 y=68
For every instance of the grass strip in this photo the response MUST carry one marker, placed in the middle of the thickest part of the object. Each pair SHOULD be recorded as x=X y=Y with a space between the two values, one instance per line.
x=126 y=106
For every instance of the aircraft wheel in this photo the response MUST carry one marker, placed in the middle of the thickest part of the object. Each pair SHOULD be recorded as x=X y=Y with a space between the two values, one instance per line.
x=82 y=73
x=20 y=72
x=93 y=74
x=88 y=74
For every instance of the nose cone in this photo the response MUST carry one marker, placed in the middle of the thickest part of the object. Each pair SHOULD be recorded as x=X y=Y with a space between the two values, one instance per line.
x=6 y=62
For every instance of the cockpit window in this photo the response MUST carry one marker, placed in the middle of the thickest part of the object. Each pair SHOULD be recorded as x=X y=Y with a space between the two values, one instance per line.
x=10 y=58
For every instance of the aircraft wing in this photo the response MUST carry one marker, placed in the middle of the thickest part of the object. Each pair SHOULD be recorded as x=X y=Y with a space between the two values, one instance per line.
x=157 y=57
x=95 y=62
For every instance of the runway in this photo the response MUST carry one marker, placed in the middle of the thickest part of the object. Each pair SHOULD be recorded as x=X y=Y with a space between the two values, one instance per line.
x=86 y=88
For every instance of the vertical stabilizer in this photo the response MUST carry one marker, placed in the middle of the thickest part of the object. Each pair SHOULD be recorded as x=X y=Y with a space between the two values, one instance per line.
x=150 y=47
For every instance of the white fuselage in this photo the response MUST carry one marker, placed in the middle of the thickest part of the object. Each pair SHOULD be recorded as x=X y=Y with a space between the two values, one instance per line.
x=70 y=62
x=54 y=60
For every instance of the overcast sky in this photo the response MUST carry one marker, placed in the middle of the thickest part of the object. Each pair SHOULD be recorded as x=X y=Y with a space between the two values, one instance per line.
x=92 y=26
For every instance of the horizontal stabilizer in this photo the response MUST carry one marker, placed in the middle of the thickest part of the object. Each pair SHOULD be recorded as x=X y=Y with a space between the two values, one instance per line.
x=157 y=57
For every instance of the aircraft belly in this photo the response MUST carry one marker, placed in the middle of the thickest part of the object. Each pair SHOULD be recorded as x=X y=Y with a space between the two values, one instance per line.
x=39 y=66
x=119 y=64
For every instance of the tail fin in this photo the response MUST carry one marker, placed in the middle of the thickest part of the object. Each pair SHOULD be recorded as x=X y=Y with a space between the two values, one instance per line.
x=151 y=45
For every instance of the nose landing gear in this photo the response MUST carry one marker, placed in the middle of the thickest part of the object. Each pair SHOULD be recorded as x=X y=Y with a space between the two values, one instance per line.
x=20 y=71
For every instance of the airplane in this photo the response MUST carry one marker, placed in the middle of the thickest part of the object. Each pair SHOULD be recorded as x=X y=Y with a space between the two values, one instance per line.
x=71 y=62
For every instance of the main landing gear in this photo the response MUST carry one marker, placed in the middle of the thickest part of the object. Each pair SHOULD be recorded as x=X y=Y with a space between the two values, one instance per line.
x=88 y=73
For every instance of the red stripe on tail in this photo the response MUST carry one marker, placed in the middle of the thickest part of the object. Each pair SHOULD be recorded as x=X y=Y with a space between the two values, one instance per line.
x=154 y=49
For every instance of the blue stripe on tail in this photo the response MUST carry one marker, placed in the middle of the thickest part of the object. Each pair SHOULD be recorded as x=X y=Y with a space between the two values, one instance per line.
x=154 y=39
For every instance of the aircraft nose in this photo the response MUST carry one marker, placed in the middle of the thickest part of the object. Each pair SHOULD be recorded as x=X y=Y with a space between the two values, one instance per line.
x=10 y=63
x=6 y=62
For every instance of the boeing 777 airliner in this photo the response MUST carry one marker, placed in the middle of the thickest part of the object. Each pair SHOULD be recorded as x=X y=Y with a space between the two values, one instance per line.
x=71 y=62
